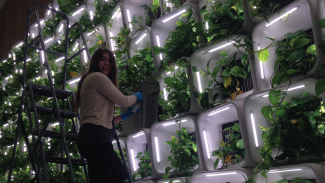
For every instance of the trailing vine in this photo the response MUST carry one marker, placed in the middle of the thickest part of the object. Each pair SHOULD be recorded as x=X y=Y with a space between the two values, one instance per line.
x=144 y=169
x=267 y=7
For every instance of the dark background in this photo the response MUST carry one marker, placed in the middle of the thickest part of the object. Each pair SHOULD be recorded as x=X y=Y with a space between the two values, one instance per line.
x=13 y=17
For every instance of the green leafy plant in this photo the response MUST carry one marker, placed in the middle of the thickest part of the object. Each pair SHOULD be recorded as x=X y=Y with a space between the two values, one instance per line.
x=178 y=100
x=320 y=85
x=69 y=6
x=291 y=55
x=153 y=10
x=232 y=151
x=184 y=156
x=144 y=169
x=267 y=7
x=171 y=5
x=223 y=19
x=294 y=126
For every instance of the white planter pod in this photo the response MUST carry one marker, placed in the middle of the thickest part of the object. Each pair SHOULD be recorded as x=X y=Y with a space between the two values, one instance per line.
x=161 y=27
x=139 y=142
x=301 y=16
x=141 y=41
x=201 y=57
x=91 y=8
x=248 y=24
x=254 y=118
x=176 y=180
x=237 y=175
x=132 y=8
x=118 y=20
x=309 y=171
x=194 y=109
x=162 y=132
x=164 y=3
x=211 y=124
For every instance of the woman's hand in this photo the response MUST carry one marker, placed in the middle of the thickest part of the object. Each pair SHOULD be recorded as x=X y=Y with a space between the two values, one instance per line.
x=128 y=113
x=139 y=97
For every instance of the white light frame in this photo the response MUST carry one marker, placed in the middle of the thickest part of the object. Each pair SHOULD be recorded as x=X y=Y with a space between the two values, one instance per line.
x=43 y=57
x=279 y=171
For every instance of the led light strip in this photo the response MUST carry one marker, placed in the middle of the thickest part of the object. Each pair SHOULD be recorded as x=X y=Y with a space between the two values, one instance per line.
x=290 y=89
x=48 y=13
x=217 y=111
x=158 y=43
x=144 y=35
x=261 y=65
x=206 y=144
x=19 y=45
x=40 y=23
x=74 y=81
x=91 y=15
x=75 y=47
x=75 y=13
x=137 y=135
x=167 y=19
x=129 y=18
x=55 y=124
x=199 y=81
x=215 y=49
x=59 y=59
x=48 y=40
x=219 y=174
x=132 y=155
x=165 y=93
x=111 y=35
x=90 y=33
x=115 y=13
x=43 y=58
x=157 y=149
x=207 y=25
x=61 y=27
x=292 y=170
x=254 y=129
x=282 y=16
x=85 y=56
x=172 y=123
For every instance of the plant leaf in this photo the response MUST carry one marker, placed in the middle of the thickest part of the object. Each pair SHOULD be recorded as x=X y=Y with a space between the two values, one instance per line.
x=263 y=55
x=226 y=81
x=240 y=144
x=144 y=6
x=301 y=42
x=266 y=112
x=320 y=87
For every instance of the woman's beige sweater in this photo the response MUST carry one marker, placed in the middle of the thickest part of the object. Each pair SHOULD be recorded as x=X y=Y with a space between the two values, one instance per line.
x=98 y=97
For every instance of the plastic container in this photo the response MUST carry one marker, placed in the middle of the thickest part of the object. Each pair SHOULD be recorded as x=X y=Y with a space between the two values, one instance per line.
x=201 y=57
x=211 y=124
x=302 y=16
x=161 y=132
x=254 y=118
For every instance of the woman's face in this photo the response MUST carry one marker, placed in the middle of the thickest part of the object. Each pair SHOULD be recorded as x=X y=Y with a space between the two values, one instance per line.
x=104 y=65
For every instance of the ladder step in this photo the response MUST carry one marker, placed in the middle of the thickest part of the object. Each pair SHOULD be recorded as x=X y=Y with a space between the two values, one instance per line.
x=46 y=91
x=57 y=135
x=47 y=110
x=79 y=162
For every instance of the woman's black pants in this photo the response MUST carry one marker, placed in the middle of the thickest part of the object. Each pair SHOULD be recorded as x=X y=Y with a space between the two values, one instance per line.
x=104 y=166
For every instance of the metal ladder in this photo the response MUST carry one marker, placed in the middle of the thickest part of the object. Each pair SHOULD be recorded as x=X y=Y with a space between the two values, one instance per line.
x=37 y=151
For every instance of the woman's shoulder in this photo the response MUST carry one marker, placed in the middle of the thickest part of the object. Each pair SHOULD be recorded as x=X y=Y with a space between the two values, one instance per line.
x=97 y=77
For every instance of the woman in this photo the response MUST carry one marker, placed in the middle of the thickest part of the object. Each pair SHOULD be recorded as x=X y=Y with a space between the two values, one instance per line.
x=96 y=96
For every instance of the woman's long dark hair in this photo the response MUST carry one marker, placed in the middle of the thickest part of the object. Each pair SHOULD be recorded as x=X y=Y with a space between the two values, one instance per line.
x=93 y=67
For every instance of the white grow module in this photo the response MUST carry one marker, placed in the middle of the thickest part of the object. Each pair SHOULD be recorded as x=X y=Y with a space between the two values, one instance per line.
x=298 y=15
x=304 y=171
x=162 y=132
x=139 y=142
x=161 y=27
x=91 y=39
x=254 y=118
x=195 y=109
x=237 y=175
x=201 y=57
x=210 y=130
